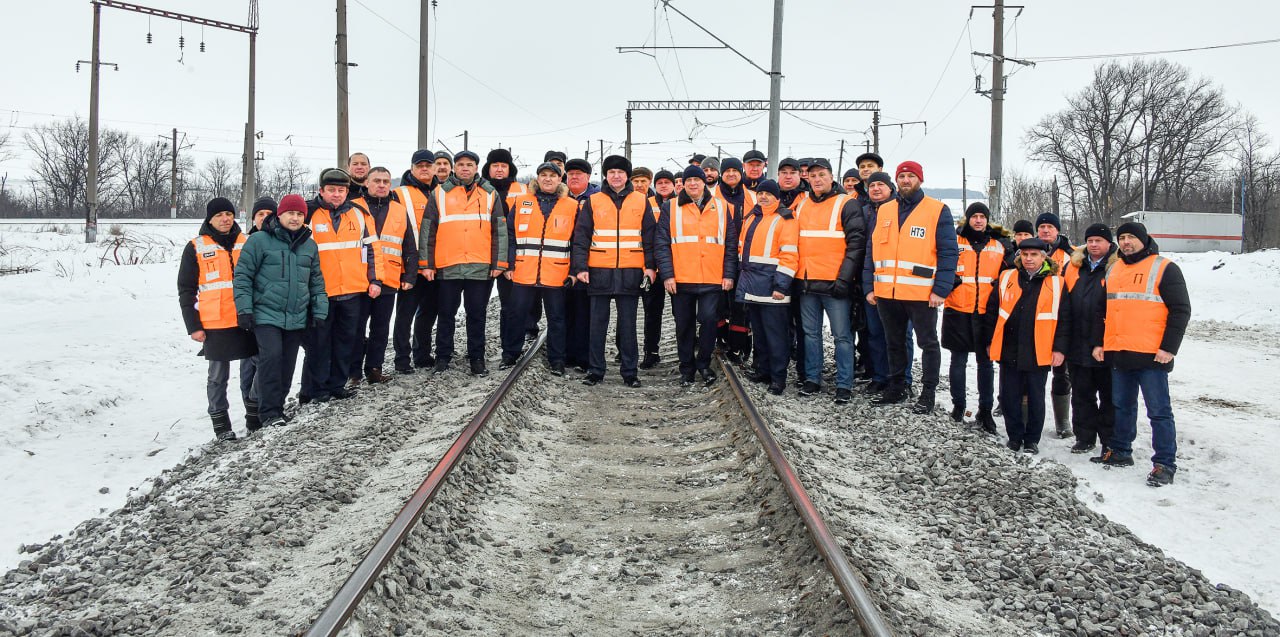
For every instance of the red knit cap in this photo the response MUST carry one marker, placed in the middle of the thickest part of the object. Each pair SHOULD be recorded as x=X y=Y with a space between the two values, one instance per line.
x=292 y=203
x=910 y=167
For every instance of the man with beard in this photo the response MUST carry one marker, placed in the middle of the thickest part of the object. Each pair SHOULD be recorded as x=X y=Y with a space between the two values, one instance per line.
x=358 y=167
x=711 y=166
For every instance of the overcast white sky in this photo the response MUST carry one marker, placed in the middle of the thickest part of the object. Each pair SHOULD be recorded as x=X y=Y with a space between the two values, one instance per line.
x=552 y=66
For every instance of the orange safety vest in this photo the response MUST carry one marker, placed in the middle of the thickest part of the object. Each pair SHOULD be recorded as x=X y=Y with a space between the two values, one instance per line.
x=1061 y=257
x=977 y=271
x=774 y=241
x=697 y=241
x=615 y=235
x=388 y=244
x=465 y=230
x=343 y=261
x=822 y=240
x=1046 y=315
x=215 y=298
x=542 y=243
x=1136 y=313
x=416 y=204
x=906 y=256
x=655 y=208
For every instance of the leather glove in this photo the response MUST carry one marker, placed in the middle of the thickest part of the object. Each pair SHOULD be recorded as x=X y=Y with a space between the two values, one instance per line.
x=317 y=322
x=840 y=289
x=245 y=321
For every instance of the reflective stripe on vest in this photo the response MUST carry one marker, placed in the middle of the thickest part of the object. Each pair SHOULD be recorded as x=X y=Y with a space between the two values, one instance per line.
x=697 y=246
x=542 y=242
x=770 y=241
x=977 y=271
x=1046 y=321
x=1136 y=313
x=388 y=253
x=457 y=241
x=615 y=235
x=215 y=300
x=905 y=256
x=343 y=260
x=822 y=242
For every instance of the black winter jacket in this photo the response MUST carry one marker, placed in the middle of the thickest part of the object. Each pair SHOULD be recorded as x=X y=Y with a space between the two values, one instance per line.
x=662 y=247
x=1018 y=344
x=960 y=330
x=378 y=207
x=226 y=344
x=855 y=241
x=1088 y=301
x=609 y=281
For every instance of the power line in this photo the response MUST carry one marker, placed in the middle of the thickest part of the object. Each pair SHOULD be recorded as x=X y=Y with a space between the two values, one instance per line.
x=1098 y=56
x=945 y=68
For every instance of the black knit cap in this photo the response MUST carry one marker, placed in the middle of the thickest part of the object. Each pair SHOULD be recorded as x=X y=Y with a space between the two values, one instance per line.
x=1136 y=229
x=616 y=162
x=977 y=208
x=1098 y=230
x=697 y=158
x=882 y=177
x=444 y=154
x=264 y=203
x=217 y=205
x=693 y=172
x=852 y=172
x=770 y=186
x=1049 y=218
x=664 y=174
x=805 y=162
x=578 y=163
x=872 y=156
x=1022 y=225
x=730 y=163
x=553 y=155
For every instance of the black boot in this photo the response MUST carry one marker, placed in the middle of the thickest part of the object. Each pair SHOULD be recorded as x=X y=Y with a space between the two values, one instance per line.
x=650 y=360
x=986 y=421
x=222 y=426
x=925 y=403
x=251 y=420
x=891 y=396
x=957 y=412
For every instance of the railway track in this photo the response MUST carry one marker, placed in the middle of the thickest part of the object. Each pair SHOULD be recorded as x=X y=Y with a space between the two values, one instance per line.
x=567 y=510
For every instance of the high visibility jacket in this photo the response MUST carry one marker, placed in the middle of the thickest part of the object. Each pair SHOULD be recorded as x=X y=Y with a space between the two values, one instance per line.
x=655 y=208
x=1136 y=313
x=822 y=238
x=465 y=229
x=542 y=242
x=415 y=203
x=343 y=260
x=977 y=271
x=388 y=242
x=1046 y=323
x=769 y=253
x=616 y=240
x=698 y=241
x=215 y=298
x=905 y=256
x=516 y=190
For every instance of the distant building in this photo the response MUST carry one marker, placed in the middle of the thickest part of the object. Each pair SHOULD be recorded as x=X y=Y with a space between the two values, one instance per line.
x=1192 y=231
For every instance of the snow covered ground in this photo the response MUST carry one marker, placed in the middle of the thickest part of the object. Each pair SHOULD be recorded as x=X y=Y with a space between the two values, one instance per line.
x=101 y=390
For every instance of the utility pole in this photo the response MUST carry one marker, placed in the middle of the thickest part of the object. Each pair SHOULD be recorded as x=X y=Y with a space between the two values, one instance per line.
x=964 y=184
x=91 y=186
x=602 y=160
x=775 y=89
x=248 y=185
x=997 y=111
x=423 y=137
x=840 y=162
x=466 y=140
x=344 y=146
x=875 y=130
x=173 y=177
x=628 y=149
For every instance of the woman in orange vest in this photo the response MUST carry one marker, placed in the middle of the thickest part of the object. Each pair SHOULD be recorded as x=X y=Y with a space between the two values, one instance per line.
x=543 y=221
x=205 y=294
x=695 y=246
x=1028 y=326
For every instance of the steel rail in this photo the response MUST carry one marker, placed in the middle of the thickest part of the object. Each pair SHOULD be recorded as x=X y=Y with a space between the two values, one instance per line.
x=847 y=580
x=345 y=601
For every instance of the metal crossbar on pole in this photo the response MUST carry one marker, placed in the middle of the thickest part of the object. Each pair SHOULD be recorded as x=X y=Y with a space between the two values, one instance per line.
x=752 y=105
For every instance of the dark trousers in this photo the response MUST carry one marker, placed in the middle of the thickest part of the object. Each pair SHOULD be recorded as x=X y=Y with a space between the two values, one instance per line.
x=1015 y=386
x=277 y=357
x=898 y=317
x=986 y=378
x=626 y=332
x=1061 y=385
x=374 y=328
x=861 y=335
x=795 y=337
x=416 y=311
x=1093 y=413
x=522 y=300
x=329 y=349
x=577 y=320
x=473 y=296
x=1154 y=385
x=772 y=339
x=654 y=300
x=696 y=318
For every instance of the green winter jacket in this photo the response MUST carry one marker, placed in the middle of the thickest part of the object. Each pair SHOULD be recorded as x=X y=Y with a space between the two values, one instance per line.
x=278 y=278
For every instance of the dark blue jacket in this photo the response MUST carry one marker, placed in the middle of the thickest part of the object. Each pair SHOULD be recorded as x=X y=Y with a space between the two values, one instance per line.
x=759 y=279
x=944 y=278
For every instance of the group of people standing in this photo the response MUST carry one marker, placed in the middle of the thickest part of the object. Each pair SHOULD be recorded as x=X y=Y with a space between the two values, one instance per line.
x=753 y=265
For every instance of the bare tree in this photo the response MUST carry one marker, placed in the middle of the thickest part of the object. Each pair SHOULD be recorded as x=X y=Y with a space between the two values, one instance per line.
x=1025 y=197
x=219 y=178
x=62 y=160
x=286 y=176
x=1257 y=185
x=145 y=176
x=1145 y=130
